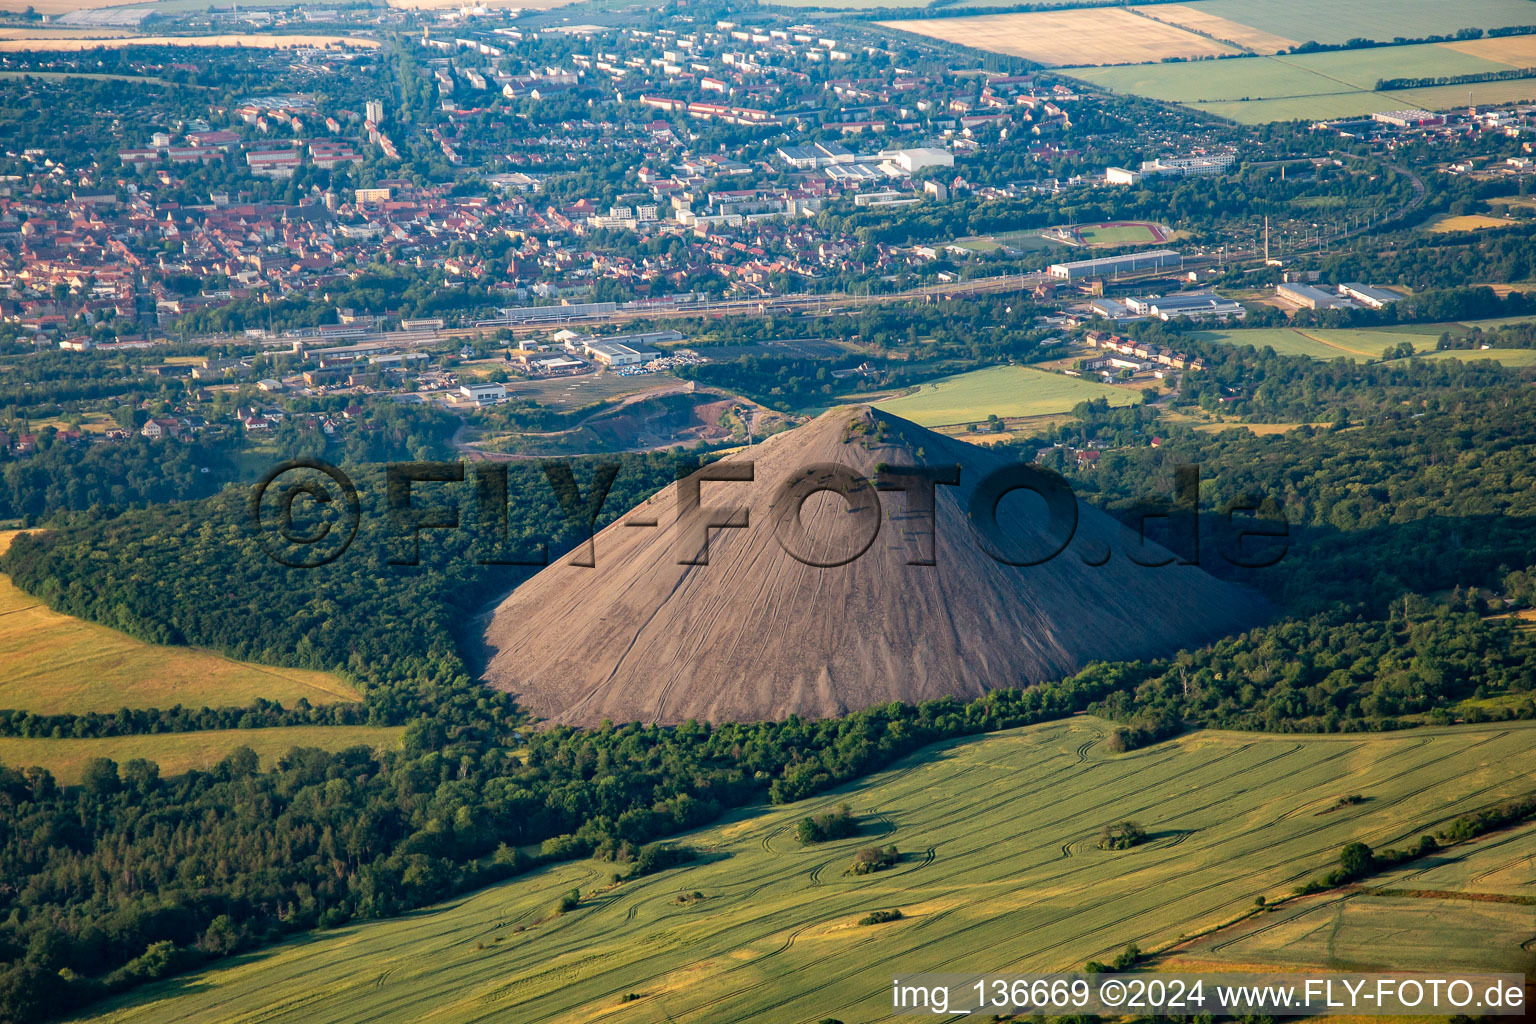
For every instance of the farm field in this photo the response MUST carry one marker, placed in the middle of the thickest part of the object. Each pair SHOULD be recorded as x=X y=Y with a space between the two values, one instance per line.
x=998 y=871
x=1254 y=90
x=55 y=664
x=1504 y=356
x=1198 y=18
x=1468 y=222
x=1081 y=36
x=179 y=752
x=1371 y=929
x=1006 y=391
x=1327 y=343
x=272 y=42
x=1025 y=241
x=1332 y=21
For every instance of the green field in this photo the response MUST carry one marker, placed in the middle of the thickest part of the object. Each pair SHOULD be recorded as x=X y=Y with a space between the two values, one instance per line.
x=1331 y=343
x=1255 y=90
x=1333 y=21
x=1006 y=391
x=999 y=871
x=1381 y=925
x=55 y=664
x=1504 y=356
x=1118 y=234
x=177 y=752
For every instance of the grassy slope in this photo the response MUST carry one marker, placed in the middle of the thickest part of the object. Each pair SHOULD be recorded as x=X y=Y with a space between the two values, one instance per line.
x=179 y=752
x=1004 y=390
x=57 y=664
x=999 y=872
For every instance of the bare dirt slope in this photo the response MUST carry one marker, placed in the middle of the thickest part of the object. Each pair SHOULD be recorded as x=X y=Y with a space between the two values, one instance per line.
x=758 y=634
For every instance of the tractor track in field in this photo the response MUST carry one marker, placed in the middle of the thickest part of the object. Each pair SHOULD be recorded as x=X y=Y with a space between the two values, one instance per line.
x=972 y=809
x=1081 y=910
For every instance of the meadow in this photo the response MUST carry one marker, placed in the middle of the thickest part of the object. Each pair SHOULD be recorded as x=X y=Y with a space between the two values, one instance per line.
x=1006 y=391
x=1082 y=36
x=998 y=871
x=179 y=752
x=55 y=664
x=1313 y=86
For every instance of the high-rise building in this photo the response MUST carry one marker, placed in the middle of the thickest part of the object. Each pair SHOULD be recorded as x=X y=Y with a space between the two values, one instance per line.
x=375 y=111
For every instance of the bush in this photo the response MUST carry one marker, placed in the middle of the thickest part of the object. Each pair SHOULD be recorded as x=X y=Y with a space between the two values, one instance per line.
x=820 y=828
x=1122 y=836
x=872 y=859
x=880 y=917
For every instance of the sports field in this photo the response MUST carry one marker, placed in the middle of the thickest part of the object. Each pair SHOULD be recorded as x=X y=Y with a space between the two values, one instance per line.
x=999 y=872
x=178 y=752
x=1096 y=35
x=1312 y=86
x=1122 y=233
x=1006 y=391
x=55 y=664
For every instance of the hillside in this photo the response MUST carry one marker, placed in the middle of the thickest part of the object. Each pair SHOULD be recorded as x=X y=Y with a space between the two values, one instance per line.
x=999 y=871
x=760 y=634
x=57 y=664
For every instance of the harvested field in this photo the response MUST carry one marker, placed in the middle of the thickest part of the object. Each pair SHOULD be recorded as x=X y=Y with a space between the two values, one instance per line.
x=259 y=42
x=1082 y=36
x=518 y=5
x=1469 y=222
x=1516 y=51
x=1197 y=19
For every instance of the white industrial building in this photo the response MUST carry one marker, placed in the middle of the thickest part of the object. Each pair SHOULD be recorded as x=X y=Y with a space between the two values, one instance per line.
x=1186 y=166
x=1375 y=298
x=1195 y=305
x=483 y=394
